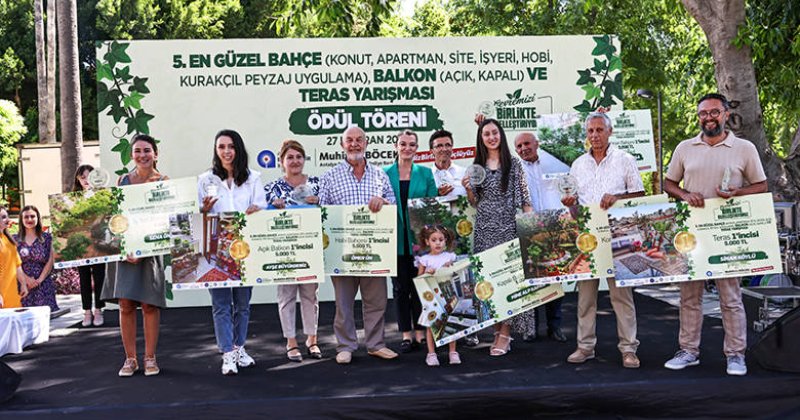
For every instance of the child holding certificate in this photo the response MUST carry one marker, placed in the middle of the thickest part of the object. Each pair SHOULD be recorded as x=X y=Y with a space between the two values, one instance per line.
x=438 y=240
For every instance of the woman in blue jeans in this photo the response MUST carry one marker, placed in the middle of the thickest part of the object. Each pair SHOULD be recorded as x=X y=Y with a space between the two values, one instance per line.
x=231 y=186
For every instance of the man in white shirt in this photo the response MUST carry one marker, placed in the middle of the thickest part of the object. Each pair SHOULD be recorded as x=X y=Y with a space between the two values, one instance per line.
x=604 y=174
x=544 y=196
x=446 y=174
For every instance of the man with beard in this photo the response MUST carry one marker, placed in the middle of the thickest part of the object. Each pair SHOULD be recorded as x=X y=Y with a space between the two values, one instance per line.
x=544 y=196
x=701 y=163
x=356 y=182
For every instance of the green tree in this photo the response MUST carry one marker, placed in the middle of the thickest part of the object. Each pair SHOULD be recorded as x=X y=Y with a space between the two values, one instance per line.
x=12 y=74
x=12 y=128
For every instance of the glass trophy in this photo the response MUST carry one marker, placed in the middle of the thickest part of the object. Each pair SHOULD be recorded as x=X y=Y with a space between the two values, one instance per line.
x=98 y=178
x=724 y=186
x=486 y=108
x=568 y=185
x=300 y=193
x=476 y=175
x=211 y=186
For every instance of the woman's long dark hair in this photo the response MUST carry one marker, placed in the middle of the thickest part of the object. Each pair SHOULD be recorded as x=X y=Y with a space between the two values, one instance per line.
x=76 y=186
x=5 y=231
x=23 y=232
x=240 y=171
x=505 y=153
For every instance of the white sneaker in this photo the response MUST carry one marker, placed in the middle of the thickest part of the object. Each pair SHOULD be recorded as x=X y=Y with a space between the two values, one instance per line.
x=98 y=318
x=432 y=359
x=229 y=363
x=737 y=366
x=681 y=360
x=87 y=318
x=244 y=359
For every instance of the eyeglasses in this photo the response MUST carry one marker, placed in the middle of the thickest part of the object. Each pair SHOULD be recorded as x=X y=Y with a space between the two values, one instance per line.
x=714 y=113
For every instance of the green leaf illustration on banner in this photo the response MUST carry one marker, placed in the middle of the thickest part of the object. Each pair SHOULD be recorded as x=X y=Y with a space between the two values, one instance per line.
x=606 y=61
x=121 y=93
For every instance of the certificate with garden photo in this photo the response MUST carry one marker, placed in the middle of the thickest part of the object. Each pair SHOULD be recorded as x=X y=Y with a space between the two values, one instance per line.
x=457 y=217
x=477 y=292
x=145 y=209
x=358 y=242
x=232 y=249
x=671 y=242
x=104 y=225
x=79 y=223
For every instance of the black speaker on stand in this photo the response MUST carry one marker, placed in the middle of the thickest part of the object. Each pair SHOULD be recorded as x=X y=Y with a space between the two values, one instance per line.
x=9 y=381
x=779 y=345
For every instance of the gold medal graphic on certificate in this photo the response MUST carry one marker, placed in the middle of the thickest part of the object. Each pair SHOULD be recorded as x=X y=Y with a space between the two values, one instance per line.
x=118 y=224
x=239 y=249
x=431 y=315
x=684 y=242
x=464 y=227
x=428 y=296
x=586 y=242
x=484 y=290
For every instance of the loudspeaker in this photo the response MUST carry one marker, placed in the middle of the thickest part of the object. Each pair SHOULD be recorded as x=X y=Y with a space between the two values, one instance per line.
x=9 y=381
x=779 y=345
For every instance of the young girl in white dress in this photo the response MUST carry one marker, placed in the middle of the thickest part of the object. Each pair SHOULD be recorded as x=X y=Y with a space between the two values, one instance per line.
x=438 y=240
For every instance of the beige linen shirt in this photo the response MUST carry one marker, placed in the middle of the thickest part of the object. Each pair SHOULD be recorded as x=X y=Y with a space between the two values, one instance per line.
x=617 y=173
x=701 y=166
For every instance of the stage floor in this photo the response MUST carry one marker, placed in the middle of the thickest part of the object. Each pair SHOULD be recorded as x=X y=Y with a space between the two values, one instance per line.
x=76 y=376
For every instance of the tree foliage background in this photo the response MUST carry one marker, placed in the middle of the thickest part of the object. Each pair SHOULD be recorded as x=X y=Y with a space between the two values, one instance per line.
x=663 y=48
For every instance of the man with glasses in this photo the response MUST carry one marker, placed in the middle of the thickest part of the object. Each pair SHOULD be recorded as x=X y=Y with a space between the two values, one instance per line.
x=448 y=178
x=446 y=174
x=701 y=163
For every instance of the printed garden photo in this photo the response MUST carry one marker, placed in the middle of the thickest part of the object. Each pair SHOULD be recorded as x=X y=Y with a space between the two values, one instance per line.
x=80 y=225
x=201 y=249
x=549 y=250
x=642 y=242
x=450 y=304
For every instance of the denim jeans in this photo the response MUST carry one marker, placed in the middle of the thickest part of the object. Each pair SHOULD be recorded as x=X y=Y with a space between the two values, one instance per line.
x=230 y=308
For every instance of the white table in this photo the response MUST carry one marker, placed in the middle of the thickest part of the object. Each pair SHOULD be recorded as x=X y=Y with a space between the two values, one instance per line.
x=21 y=327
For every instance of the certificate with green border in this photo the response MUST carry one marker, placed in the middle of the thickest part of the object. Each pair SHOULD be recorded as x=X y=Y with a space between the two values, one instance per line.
x=285 y=247
x=478 y=292
x=144 y=211
x=359 y=242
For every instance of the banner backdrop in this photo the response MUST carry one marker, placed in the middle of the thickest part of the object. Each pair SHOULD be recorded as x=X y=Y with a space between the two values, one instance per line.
x=183 y=91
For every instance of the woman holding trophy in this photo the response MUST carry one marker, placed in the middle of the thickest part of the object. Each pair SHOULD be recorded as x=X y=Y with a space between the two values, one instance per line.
x=496 y=187
x=231 y=186
x=294 y=189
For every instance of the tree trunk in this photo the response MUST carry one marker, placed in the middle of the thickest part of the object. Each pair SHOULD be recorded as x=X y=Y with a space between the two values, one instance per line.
x=51 y=71
x=69 y=82
x=736 y=79
x=41 y=70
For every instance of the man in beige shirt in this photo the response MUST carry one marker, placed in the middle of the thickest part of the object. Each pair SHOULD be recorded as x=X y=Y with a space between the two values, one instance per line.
x=701 y=163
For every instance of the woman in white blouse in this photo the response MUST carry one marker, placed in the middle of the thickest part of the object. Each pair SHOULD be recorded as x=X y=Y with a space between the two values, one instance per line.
x=237 y=189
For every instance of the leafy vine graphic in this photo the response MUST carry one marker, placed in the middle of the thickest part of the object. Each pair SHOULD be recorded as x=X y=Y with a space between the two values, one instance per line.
x=596 y=81
x=476 y=266
x=582 y=218
x=122 y=96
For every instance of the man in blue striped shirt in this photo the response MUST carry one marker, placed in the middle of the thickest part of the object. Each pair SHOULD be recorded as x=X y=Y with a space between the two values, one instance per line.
x=355 y=182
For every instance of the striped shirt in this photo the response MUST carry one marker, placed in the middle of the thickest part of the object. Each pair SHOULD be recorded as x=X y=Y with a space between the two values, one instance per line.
x=339 y=186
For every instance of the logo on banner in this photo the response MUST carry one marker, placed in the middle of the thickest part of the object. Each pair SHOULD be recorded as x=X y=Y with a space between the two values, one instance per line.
x=266 y=159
